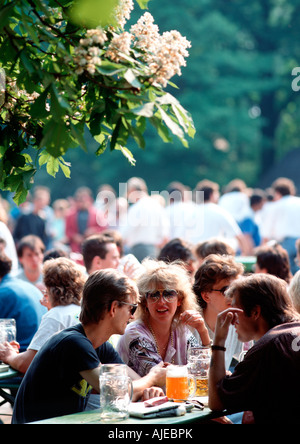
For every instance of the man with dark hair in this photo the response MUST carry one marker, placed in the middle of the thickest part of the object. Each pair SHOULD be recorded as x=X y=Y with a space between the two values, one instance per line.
x=19 y=300
x=212 y=279
x=30 y=252
x=266 y=382
x=62 y=374
x=273 y=259
x=212 y=246
x=100 y=251
x=178 y=250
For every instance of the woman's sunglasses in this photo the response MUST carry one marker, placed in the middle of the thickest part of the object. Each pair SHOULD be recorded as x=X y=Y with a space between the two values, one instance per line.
x=167 y=295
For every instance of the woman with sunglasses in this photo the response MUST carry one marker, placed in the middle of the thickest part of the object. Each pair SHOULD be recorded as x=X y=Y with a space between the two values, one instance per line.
x=167 y=315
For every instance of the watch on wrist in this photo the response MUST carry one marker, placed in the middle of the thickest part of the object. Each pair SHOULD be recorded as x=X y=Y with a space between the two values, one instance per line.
x=218 y=347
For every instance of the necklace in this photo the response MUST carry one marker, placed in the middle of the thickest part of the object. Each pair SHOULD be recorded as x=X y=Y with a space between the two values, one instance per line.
x=156 y=344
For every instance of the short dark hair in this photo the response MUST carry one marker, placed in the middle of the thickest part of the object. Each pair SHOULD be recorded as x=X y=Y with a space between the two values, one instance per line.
x=268 y=292
x=176 y=249
x=275 y=259
x=213 y=246
x=208 y=187
x=30 y=241
x=215 y=268
x=95 y=245
x=284 y=186
x=100 y=290
x=5 y=264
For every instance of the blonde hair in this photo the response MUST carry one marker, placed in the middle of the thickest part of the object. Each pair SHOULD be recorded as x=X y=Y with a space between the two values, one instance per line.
x=172 y=276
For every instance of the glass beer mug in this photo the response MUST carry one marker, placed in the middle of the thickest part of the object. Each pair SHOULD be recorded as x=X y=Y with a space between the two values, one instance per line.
x=178 y=386
x=116 y=392
x=198 y=366
x=8 y=330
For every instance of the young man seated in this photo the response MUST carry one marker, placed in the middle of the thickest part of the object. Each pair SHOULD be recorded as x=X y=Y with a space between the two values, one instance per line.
x=62 y=374
x=266 y=382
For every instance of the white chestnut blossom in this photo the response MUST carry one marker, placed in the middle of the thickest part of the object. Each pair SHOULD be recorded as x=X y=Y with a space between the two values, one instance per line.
x=119 y=44
x=163 y=55
x=123 y=12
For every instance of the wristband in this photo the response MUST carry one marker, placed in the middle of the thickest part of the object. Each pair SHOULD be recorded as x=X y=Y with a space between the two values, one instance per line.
x=218 y=347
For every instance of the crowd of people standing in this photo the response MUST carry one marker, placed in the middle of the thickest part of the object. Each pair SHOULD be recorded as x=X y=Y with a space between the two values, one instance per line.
x=163 y=264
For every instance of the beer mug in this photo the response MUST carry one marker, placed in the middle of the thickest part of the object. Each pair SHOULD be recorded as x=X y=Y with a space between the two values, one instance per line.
x=116 y=392
x=178 y=387
x=8 y=330
x=198 y=366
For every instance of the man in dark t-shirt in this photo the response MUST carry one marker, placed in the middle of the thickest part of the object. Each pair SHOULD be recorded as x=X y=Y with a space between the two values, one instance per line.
x=267 y=381
x=63 y=372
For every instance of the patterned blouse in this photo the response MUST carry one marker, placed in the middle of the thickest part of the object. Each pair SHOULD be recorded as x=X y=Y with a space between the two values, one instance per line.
x=137 y=347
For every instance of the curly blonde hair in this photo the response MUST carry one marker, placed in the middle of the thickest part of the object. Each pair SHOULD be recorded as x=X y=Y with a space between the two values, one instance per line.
x=172 y=276
x=64 y=280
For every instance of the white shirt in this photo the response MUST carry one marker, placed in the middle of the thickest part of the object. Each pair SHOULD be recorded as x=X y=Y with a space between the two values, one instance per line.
x=281 y=219
x=55 y=320
x=145 y=223
x=237 y=204
x=10 y=248
x=212 y=221
x=182 y=218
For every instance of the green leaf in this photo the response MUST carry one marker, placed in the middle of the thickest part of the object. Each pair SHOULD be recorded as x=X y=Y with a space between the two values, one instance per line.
x=59 y=106
x=161 y=129
x=132 y=79
x=5 y=12
x=143 y=4
x=38 y=108
x=127 y=153
x=77 y=132
x=52 y=166
x=109 y=68
x=146 y=110
x=56 y=138
x=93 y=13
x=175 y=129
x=65 y=167
x=27 y=63
x=103 y=144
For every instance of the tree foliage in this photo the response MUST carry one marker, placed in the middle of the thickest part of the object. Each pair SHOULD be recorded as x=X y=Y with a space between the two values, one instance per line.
x=65 y=79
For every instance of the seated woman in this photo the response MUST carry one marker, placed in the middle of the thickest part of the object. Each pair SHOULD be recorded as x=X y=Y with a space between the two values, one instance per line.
x=64 y=281
x=167 y=314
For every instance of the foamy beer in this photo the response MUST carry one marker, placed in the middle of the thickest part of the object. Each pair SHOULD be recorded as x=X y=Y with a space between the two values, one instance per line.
x=178 y=383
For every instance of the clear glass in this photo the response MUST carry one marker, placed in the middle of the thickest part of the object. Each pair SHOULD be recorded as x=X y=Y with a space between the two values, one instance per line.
x=116 y=392
x=198 y=366
x=8 y=330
